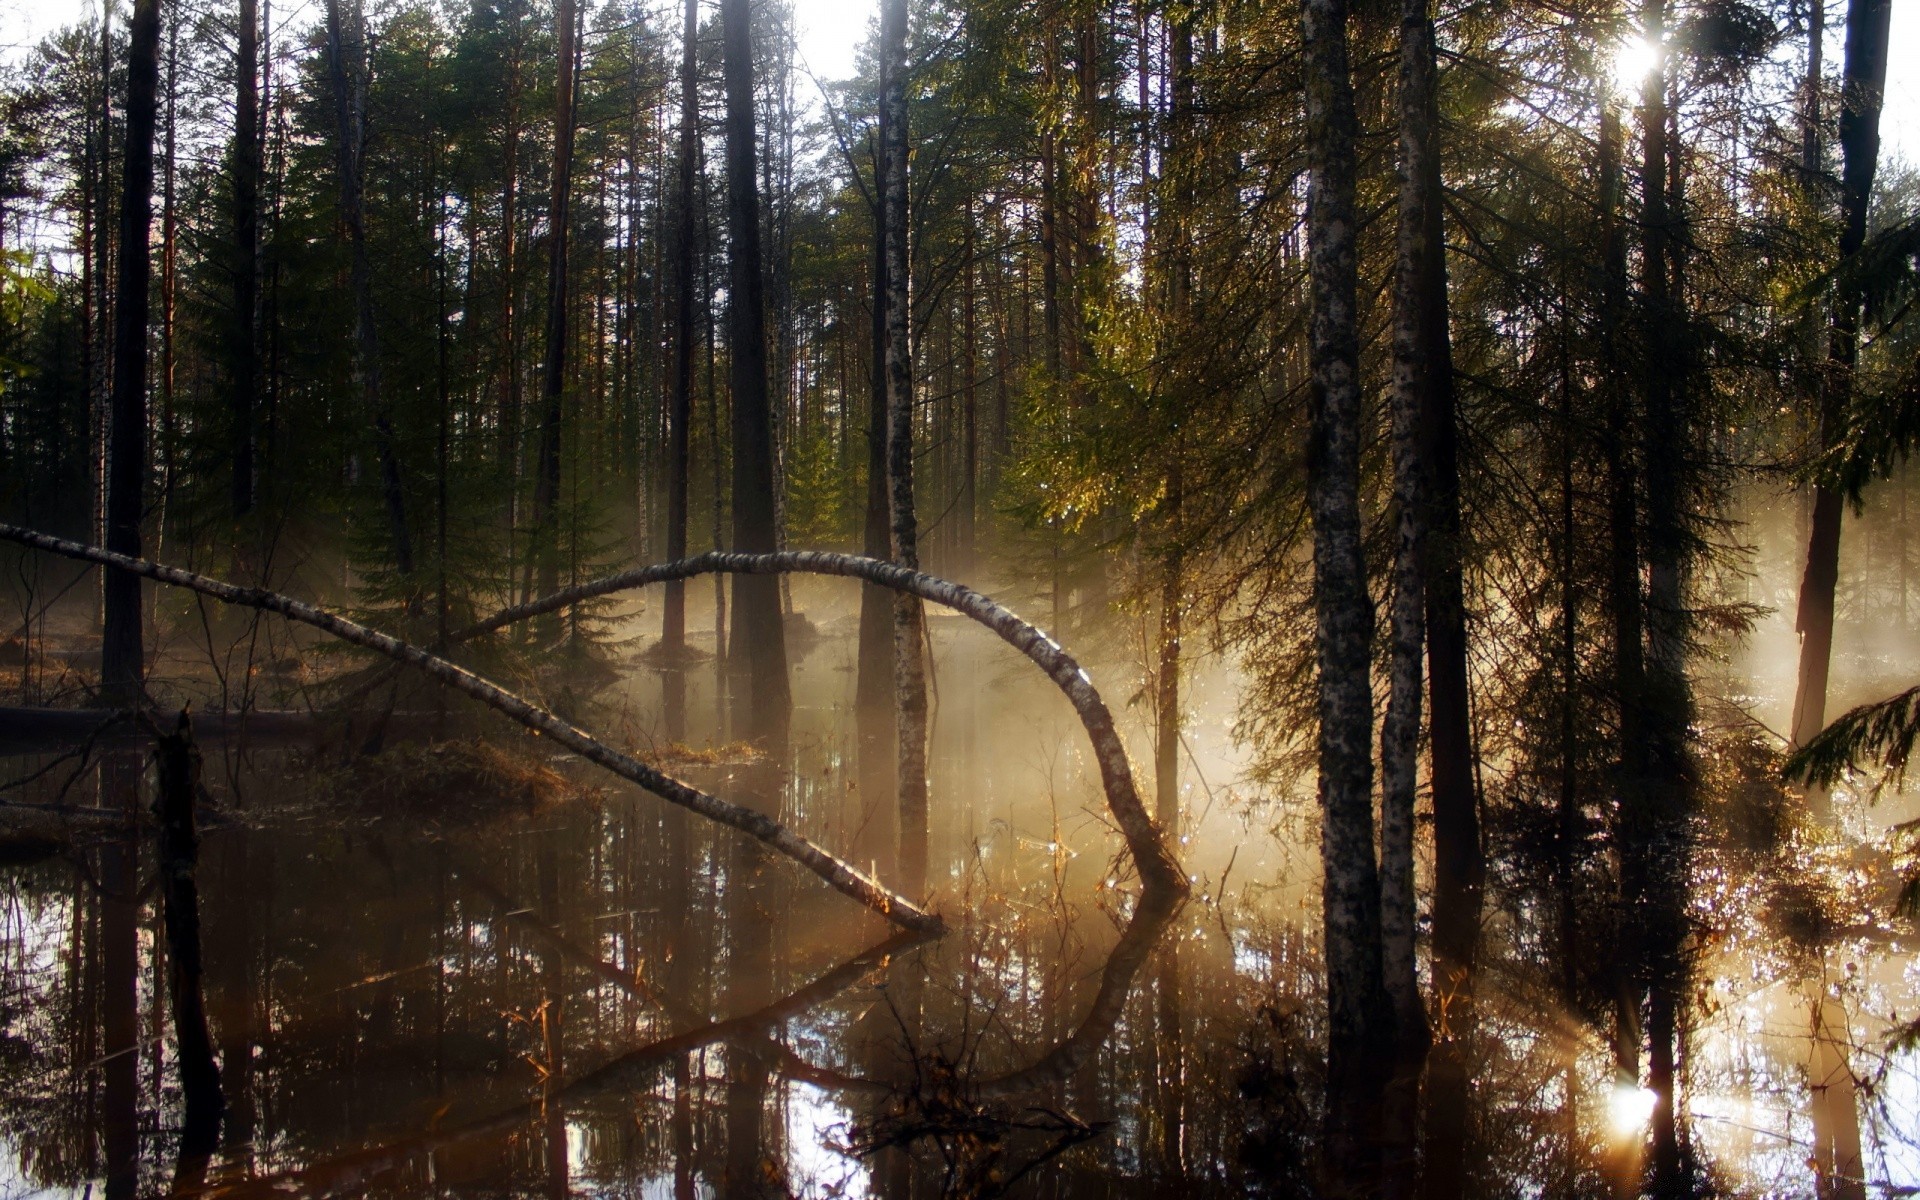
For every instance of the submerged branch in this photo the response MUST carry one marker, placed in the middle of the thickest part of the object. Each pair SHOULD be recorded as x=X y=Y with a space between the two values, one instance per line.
x=838 y=874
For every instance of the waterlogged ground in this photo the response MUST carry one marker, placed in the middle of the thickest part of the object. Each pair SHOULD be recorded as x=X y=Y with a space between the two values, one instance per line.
x=550 y=993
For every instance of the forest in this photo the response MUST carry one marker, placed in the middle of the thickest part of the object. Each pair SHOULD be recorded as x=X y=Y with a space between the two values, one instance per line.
x=1279 y=598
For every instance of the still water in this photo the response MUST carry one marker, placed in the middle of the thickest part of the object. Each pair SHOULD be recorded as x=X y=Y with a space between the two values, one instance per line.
x=582 y=992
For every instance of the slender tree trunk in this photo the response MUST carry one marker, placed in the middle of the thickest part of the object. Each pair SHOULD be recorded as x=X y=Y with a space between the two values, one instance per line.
x=1172 y=232
x=758 y=621
x=349 y=85
x=122 y=659
x=177 y=772
x=245 y=381
x=673 y=621
x=1459 y=862
x=1626 y=608
x=553 y=377
x=909 y=622
x=1667 y=433
x=1865 y=78
x=1406 y=639
x=1357 y=1012
x=873 y=701
x=509 y=433
x=969 y=409
x=169 y=279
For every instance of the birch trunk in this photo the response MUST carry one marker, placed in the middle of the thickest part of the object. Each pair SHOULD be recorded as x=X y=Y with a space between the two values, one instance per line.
x=245 y=381
x=1357 y=1016
x=909 y=627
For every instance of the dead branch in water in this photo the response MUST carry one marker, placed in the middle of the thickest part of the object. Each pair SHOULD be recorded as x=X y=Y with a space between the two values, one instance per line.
x=838 y=874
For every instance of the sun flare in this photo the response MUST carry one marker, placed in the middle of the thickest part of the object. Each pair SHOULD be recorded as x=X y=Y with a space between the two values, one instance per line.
x=1636 y=59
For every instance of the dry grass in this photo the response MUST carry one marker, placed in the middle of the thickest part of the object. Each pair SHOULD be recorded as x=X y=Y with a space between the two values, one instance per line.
x=459 y=783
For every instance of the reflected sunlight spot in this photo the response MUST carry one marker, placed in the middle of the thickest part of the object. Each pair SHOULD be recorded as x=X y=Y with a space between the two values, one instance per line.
x=1629 y=1108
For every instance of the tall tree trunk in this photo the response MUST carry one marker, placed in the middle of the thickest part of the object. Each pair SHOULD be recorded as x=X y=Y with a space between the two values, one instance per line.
x=1459 y=862
x=673 y=621
x=509 y=433
x=1172 y=233
x=1864 y=83
x=1660 y=828
x=969 y=408
x=245 y=380
x=874 y=687
x=1626 y=609
x=1406 y=638
x=909 y=621
x=1356 y=1009
x=553 y=376
x=122 y=655
x=758 y=622
x=349 y=86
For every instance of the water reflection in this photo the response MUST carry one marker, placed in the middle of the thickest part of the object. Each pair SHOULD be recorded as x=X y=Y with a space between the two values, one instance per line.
x=607 y=998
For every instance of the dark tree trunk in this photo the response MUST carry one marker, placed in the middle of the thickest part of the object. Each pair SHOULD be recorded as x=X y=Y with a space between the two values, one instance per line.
x=122 y=655
x=349 y=86
x=1865 y=77
x=1357 y=1013
x=245 y=380
x=909 y=622
x=1626 y=611
x=673 y=621
x=1406 y=640
x=1459 y=864
x=553 y=376
x=177 y=775
x=1658 y=830
x=758 y=622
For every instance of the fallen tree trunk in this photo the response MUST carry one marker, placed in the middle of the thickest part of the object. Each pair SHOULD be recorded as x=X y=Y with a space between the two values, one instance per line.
x=1155 y=862
x=839 y=875
x=1160 y=875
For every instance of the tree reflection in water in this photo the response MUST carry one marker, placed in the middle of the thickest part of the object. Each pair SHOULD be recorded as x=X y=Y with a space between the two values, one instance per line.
x=607 y=997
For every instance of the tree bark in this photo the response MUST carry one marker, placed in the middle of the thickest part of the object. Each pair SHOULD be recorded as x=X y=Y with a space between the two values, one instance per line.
x=1459 y=862
x=1406 y=639
x=673 y=620
x=349 y=86
x=757 y=619
x=1659 y=828
x=1356 y=1016
x=245 y=380
x=1864 y=84
x=909 y=622
x=177 y=775
x=122 y=652
x=873 y=700
x=553 y=376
